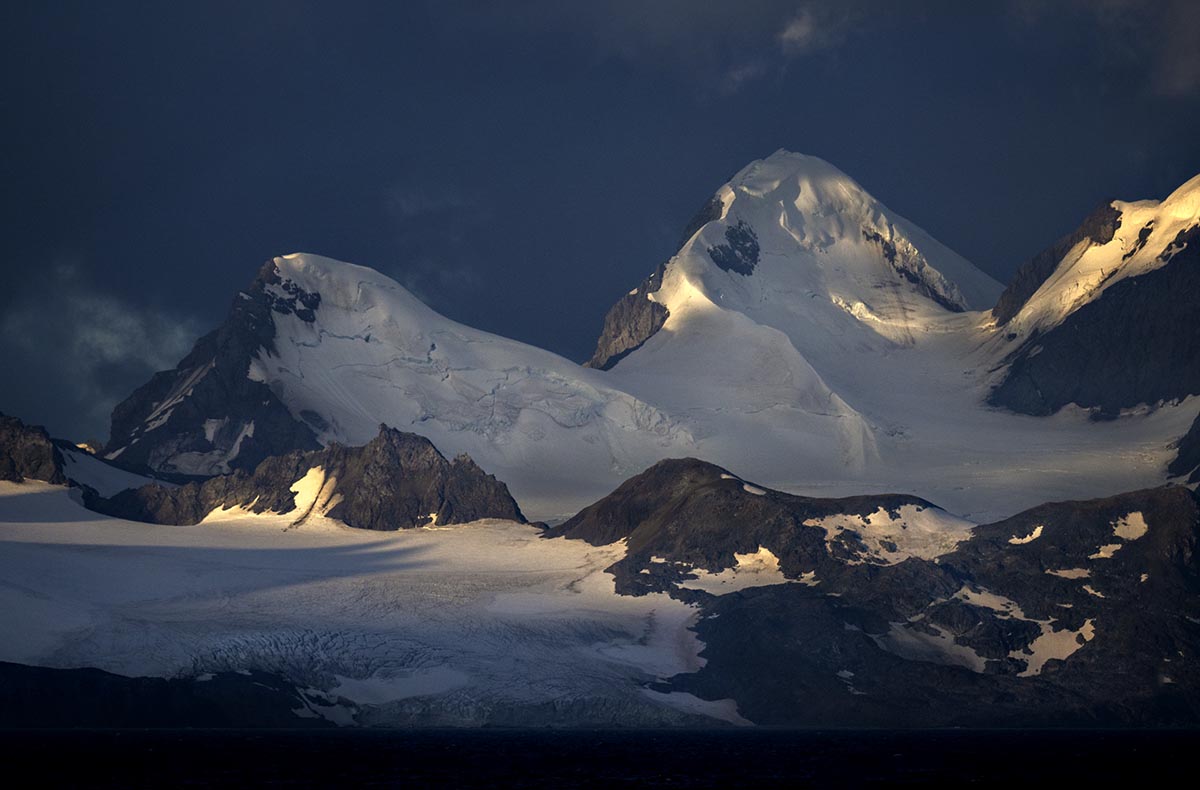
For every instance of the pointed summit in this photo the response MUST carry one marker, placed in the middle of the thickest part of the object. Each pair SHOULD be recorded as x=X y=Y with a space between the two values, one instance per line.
x=793 y=233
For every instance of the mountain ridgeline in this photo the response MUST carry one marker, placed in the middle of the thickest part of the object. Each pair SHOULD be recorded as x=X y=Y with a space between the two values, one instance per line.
x=28 y=452
x=805 y=335
x=885 y=611
x=1100 y=320
x=207 y=417
x=396 y=481
x=760 y=346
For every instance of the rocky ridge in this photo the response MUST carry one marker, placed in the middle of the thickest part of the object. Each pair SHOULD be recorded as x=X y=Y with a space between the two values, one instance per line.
x=1078 y=613
x=396 y=481
x=27 y=451
x=207 y=416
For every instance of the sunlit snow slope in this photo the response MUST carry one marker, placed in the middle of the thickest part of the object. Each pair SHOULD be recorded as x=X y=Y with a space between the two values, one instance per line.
x=1104 y=318
x=375 y=354
x=819 y=343
x=1147 y=238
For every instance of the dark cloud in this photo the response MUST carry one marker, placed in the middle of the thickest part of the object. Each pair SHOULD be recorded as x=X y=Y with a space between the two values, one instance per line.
x=705 y=43
x=79 y=350
x=813 y=26
x=435 y=226
x=1156 y=38
x=1177 y=61
x=408 y=202
x=521 y=165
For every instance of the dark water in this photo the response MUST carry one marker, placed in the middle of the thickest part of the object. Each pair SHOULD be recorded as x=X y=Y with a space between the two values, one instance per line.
x=590 y=758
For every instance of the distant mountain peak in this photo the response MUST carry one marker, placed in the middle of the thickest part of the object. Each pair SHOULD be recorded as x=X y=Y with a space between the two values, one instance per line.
x=798 y=236
x=803 y=333
x=1103 y=317
x=1117 y=240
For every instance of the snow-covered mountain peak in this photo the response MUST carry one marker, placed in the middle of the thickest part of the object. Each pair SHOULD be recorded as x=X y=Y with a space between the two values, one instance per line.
x=1183 y=203
x=343 y=285
x=1139 y=237
x=318 y=351
x=804 y=334
x=814 y=202
x=798 y=214
x=793 y=245
x=808 y=182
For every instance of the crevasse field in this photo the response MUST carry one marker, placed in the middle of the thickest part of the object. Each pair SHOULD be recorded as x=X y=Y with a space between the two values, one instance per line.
x=484 y=621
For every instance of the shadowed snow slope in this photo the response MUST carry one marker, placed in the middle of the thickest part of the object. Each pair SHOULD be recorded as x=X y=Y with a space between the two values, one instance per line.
x=480 y=623
x=720 y=601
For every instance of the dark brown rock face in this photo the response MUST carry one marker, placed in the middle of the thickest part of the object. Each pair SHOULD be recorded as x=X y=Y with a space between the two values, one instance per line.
x=959 y=640
x=26 y=451
x=697 y=513
x=630 y=323
x=1138 y=343
x=150 y=427
x=1187 y=459
x=396 y=481
x=634 y=319
x=1098 y=227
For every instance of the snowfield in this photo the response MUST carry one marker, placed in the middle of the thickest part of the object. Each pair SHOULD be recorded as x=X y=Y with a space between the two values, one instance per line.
x=757 y=569
x=559 y=435
x=454 y=625
x=832 y=409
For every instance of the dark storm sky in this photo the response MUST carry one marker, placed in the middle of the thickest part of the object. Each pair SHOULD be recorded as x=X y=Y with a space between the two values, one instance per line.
x=521 y=165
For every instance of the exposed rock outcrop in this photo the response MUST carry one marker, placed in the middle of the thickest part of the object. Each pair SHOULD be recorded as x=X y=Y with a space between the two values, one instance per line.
x=27 y=451
x=167 y=426
x=739 y=253
x=396 y=481
x=1138 y=343
x=636 y=317
x=1072 y=613
x=629 y=323
x=1098 y=227
x=1187 y=457
x=910 y=264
